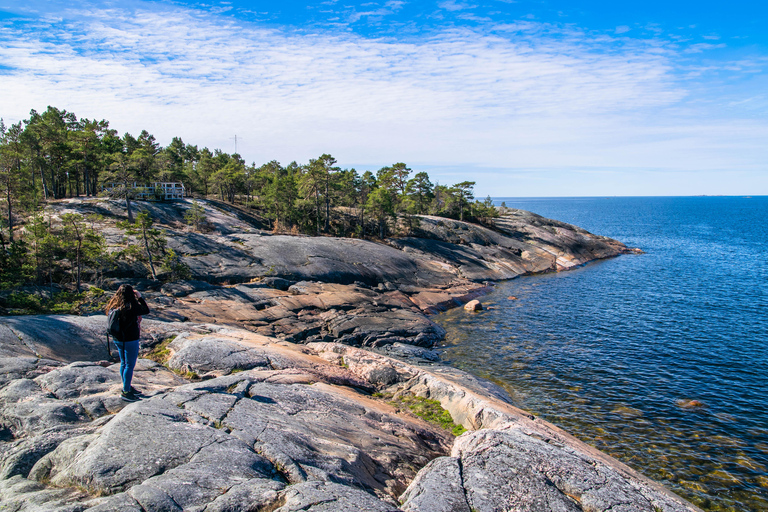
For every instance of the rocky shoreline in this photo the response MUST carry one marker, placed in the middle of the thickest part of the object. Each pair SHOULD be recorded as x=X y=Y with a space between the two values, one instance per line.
x=280 y=380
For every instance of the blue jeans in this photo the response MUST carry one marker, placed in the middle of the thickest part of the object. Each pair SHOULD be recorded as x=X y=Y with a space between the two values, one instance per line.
x=129 y=353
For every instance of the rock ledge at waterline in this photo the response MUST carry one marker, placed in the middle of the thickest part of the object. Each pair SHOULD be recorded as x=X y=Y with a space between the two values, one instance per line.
x=297 y=377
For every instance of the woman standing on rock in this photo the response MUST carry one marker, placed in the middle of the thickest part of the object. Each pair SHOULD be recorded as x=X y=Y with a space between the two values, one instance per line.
x=130 y=306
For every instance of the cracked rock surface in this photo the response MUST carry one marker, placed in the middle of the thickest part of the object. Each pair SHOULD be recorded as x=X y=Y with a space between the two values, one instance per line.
x=271 y=428
x=278 y=426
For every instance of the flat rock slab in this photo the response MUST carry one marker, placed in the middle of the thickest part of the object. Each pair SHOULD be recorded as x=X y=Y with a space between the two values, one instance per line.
x=63 y=338
x=242 y=433
x=285 y=436
x=210 y=354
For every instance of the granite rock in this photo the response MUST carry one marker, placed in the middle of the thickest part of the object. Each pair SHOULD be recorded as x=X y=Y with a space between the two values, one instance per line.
x=299 y=433
x=473 y=305
x=546 y=476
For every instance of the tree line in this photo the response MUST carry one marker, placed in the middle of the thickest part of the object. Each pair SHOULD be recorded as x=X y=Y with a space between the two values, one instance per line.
x=54 y=155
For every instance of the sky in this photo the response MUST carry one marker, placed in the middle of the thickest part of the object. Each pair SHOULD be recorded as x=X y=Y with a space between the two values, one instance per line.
x=533 y=98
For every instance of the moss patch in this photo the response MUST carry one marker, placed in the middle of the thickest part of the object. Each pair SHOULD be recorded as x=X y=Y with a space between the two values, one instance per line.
x=160 y=353
x=186 y=375
x=430 y=411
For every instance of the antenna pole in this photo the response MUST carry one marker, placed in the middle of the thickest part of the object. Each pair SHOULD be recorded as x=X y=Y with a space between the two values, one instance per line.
x=235 y=139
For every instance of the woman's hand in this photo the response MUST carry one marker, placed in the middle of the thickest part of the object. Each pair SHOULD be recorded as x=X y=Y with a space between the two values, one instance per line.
x=137 y=293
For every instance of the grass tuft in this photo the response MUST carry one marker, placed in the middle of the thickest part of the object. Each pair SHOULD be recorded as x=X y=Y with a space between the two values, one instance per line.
x=160 y=353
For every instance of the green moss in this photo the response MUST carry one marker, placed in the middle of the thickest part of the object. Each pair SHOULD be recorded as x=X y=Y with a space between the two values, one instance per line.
x=430 y=411
x=160 y=353
x=186 y=375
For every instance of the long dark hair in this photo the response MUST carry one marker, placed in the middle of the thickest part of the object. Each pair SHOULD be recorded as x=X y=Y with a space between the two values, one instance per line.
x=123 y=299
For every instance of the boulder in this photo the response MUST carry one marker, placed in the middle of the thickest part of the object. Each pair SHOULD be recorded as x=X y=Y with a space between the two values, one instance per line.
x=277 y=283
x=183 y=288
x=473 y=305
x=546 y=476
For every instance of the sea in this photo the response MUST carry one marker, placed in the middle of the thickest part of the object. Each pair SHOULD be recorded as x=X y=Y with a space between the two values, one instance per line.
x=659 y=359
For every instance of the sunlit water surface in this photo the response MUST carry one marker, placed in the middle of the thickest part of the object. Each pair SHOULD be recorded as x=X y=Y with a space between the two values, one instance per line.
x=658 y=359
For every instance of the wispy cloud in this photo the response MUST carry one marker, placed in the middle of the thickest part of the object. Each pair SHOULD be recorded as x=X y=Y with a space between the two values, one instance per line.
x=522 y=95
x=455 y=5
x=701 y=47
x=389 y=8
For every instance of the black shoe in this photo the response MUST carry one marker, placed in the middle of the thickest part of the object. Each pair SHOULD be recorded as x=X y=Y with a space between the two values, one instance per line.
x=136 y=392
x=129 y=396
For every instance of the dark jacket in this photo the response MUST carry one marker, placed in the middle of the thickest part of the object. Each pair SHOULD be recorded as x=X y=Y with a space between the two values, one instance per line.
x=129 y=323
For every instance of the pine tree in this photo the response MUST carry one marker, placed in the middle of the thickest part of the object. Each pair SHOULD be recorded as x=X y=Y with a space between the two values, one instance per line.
x=152 y=238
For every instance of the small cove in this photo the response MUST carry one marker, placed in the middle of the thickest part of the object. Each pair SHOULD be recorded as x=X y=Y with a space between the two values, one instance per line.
x=658 y=359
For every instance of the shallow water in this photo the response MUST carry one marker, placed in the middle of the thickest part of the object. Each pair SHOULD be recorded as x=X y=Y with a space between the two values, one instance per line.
x=658 y=359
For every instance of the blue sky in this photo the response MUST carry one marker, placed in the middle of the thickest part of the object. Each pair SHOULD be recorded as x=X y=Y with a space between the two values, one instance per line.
x=527 y=98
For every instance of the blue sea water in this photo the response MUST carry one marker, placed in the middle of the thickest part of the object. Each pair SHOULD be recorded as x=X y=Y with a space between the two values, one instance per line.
x=659 y=359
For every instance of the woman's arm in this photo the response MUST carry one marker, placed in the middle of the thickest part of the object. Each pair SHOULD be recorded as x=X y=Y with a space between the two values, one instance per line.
x=143 y=308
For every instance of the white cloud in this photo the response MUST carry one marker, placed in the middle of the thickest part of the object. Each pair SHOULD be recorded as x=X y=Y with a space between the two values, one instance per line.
x=531 y=97
x=622 y=29
x=455 y=5
x=702 y=47
x=390 y=7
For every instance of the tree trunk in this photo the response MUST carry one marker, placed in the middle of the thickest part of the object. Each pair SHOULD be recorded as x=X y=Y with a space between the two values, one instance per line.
x=34 y=188
x=327 y=208
x=10 y=216
x=53 y=185
x=86 y=188
x=128 y=207
x=45 y=188
x=149 y=255
x=79 y=245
